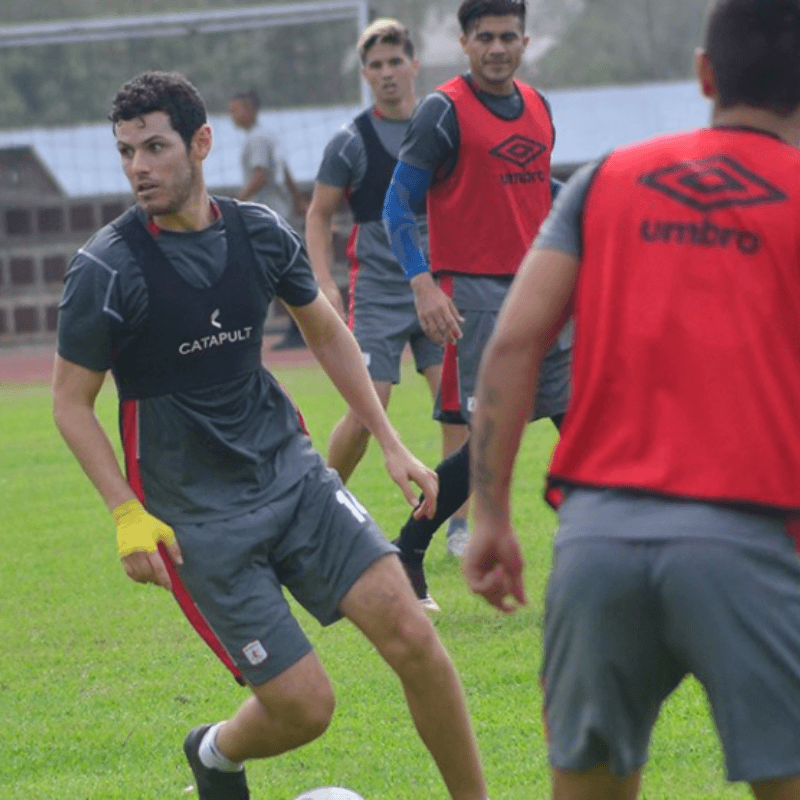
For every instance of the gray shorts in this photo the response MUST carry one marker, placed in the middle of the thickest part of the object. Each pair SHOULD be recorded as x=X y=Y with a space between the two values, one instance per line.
x=382 y=327
x=455 y=401
x=644 y=591
x=316 y=541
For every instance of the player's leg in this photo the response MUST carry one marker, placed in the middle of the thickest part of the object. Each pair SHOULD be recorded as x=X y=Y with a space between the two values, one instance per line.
x=739 y=578
x=450 y=407
x=384 y=608
x=458 y=398
x=453 y=471
x=339 y=563
x=416 y=534
x=595 y=784
x=607 y=667
x=778 y=789
x=350 y=437
x=238 y=592
x=286 y=712
x=453 y=437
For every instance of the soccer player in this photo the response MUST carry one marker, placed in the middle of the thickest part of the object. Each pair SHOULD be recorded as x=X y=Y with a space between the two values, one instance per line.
x=676 y=476
x=357 y=165
x=224 y=499
x=480 y=146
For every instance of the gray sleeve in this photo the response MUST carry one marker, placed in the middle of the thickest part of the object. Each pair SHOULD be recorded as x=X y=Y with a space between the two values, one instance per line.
x=344 y=161
x=562 y=228
x=281 y=255
x=103 y=302
x=431 y=141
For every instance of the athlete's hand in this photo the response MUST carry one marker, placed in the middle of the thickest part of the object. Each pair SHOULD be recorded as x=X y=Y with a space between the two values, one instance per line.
x=493 y=566
x=437 y=313
x=138 y=535
x=334 y=296
x=404 y=469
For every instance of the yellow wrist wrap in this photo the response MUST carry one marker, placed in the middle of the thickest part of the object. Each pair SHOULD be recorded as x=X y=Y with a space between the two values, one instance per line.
x=139 y=531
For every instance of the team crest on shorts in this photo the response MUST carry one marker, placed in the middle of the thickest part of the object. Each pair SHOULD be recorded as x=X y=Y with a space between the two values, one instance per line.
x=255 y=652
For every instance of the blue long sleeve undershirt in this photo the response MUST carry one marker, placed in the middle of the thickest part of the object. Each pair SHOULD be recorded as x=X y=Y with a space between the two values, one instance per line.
x=406 y=192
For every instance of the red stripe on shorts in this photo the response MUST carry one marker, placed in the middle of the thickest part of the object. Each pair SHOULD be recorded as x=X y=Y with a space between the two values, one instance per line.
x=129 y=424
x=451 y=384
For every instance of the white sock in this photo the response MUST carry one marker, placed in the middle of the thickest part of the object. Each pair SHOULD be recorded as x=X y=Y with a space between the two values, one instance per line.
x=212 y=757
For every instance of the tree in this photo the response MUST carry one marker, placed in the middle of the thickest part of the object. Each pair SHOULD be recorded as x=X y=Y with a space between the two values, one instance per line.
x=625 y=41
x=57 y=84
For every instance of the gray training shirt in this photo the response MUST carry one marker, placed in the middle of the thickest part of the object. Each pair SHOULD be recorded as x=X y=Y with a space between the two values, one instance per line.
x=210 y=453
x=344 y=165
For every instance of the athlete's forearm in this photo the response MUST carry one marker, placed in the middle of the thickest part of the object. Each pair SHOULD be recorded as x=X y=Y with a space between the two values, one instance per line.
x=406 y=192
x=92 y=448
x=342 y=360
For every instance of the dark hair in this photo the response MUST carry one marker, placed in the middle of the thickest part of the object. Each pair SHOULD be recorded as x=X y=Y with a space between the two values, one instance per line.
x=470 y=11
x=754 y=47
x=248 y=96
x=384 y=31
x=169 y=92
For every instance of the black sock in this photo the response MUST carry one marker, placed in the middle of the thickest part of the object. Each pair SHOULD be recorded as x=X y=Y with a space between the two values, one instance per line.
x=415 y=536
x=453 y=472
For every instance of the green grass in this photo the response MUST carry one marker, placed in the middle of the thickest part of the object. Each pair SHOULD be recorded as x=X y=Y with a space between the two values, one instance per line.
x=100 y=678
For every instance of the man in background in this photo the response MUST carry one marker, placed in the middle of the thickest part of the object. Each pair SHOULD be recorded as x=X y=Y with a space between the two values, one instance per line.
x=266 y=179
x=480 y=146
x=357 y=165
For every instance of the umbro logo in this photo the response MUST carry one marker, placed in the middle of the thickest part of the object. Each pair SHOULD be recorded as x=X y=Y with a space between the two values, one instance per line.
x=519 y=150
x=708 y=184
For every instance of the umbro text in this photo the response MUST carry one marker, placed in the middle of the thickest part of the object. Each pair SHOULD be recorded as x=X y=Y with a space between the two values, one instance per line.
x=705 y=234
x=522 y=177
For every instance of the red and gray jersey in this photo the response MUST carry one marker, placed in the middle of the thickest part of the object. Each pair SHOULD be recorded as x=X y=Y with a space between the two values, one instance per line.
x=685 y=366
x=499 y=188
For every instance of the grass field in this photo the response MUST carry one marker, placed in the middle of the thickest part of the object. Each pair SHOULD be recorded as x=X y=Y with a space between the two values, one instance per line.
x=100 y=678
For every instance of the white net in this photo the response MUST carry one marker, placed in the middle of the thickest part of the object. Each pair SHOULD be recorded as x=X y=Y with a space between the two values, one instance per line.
x=58 y=80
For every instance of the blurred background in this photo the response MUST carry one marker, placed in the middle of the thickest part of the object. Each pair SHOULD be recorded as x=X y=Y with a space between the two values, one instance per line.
x=615 y=71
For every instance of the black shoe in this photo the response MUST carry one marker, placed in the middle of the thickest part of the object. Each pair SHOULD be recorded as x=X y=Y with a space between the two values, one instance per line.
x=212 y=784
x=416 y=575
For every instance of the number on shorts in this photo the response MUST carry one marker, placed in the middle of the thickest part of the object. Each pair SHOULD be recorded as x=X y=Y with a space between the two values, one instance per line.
x=349 y=502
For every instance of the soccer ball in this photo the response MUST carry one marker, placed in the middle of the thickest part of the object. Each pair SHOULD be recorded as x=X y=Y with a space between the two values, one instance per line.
x=329 y=793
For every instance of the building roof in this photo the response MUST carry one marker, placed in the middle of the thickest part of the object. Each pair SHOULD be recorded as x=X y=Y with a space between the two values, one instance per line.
x=589 y=122
x=21 y=170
